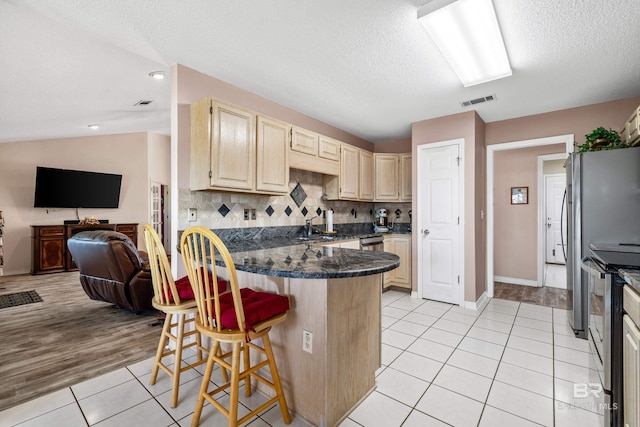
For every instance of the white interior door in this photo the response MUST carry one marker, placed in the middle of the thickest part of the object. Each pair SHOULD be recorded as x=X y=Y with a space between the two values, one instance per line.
x=439 y=186
x=554 y=191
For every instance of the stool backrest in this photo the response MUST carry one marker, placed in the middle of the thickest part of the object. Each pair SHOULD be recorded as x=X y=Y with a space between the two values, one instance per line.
x=199 y=246
x=164 y=287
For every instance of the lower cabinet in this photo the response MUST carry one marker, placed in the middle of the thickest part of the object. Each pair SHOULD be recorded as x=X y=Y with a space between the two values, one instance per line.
x=399 y=244
x=631 y=372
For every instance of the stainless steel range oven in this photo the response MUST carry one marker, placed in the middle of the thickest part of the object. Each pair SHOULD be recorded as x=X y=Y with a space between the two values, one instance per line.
x=605 y=320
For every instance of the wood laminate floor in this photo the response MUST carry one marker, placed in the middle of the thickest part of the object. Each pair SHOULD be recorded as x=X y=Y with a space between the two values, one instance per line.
x=65 y=339
x=548 y=296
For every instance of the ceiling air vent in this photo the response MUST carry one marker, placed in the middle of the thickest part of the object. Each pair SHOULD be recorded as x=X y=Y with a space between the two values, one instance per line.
x=478 y=100
x=142 y=102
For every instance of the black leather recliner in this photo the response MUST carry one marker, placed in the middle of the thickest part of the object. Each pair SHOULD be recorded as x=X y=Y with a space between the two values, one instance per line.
x=112 y=269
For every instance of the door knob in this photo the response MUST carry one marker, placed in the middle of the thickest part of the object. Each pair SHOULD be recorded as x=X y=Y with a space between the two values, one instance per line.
x=425 y=232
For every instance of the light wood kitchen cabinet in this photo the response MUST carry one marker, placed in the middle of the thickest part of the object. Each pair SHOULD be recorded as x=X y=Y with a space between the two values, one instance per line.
x=357 y=176
x=392 y=177
x=631 y=129
x=399 y=244
x=631 y=371
x=272 y=166
x=405 y=178
x=386 y=177
x=367 y=173
x=233 y=150
x=304 y=141
x=349 y=173
x=329 y=148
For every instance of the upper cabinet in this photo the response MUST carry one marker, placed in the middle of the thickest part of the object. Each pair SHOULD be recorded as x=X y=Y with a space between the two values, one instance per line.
x=356 y=179
x=238 y=150
x=304 y=141
x=387 y=173
x=272 y=165
x=225 y=154
x=392 y=177
x=367 y=172
x=349 y=173
x=329 y=148
x=405 y=177
x=312 y=152
x=631 y=129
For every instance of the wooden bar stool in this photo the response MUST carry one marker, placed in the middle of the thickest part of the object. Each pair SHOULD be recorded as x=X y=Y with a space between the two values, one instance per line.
x=238 y=318
x=175 y=299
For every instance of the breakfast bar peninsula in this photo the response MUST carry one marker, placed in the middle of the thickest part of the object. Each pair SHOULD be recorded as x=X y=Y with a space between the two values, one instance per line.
x=329 y=347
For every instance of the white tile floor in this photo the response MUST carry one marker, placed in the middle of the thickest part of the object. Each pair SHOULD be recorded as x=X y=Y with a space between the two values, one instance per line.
x=555 y=276
x=511 y=364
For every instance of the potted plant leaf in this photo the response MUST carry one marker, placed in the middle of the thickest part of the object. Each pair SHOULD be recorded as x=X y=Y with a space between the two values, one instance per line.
x=601 y=139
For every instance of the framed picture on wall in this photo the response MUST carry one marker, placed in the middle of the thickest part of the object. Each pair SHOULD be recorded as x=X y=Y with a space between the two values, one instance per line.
x=519 y=195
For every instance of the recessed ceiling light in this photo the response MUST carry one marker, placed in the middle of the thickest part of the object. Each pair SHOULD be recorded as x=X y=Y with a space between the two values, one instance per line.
x=158 y=75
x=94 y=127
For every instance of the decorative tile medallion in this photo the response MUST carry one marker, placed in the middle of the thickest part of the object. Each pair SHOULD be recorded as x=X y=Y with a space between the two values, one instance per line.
x=269 y=210
x=318 y=211
x=398 y=212
x=224 y=210
x=298 y=195
x=288 y=211
x=305 y=211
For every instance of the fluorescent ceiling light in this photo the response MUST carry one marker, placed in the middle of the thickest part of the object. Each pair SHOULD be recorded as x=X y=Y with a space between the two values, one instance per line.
x=94 y=127
x=468 y=35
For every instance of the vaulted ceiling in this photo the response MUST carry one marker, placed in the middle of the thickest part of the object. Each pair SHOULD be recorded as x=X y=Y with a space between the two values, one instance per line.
x=365 y=66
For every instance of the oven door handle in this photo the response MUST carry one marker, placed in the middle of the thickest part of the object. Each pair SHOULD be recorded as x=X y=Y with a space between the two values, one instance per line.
x=587 y=267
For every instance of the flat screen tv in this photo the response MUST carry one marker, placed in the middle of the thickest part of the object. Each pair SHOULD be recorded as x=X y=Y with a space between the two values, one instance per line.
x=65 y=188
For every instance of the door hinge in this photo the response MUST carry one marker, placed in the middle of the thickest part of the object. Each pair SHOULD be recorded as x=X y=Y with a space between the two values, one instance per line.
x=211 y=109
x=553 y=252
x=458 y=160
x=458 y=279
x=210 y=174
x=458 y=220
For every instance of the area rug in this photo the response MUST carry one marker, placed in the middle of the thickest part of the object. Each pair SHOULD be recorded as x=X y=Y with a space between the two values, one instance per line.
x=19 y=298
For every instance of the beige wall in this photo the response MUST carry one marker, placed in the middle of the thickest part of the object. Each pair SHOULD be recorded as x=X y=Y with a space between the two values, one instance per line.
x=516 y=226
x=464 y=125
x=553 y=166
x=394 y=146
x=578 y=121
x=126 y=154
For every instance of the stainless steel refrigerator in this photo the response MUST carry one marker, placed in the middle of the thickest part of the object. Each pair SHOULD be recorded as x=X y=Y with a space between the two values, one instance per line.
x=602 y=205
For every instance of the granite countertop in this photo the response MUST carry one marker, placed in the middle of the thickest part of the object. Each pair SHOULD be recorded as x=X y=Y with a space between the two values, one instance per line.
x=632 y=277
x=312 y=261
x=288 y=252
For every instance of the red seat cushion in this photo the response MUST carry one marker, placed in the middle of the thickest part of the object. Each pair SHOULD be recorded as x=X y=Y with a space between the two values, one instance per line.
x=185 y=291
x=258 y=307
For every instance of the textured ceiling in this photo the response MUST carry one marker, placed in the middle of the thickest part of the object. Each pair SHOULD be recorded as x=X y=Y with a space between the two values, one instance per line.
x=364 y=66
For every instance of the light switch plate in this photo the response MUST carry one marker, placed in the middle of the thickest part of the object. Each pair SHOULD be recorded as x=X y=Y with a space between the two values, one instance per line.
x=192 y=214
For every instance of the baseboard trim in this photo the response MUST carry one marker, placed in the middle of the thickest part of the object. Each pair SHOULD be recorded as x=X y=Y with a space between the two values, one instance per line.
x=515 y=281
x=414 y=294
x=479 y=305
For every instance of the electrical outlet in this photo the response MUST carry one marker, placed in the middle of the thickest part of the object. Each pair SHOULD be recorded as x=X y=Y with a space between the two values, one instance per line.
x=307 y=341
x=246 y=214
x=193 y=214
x=253 y=214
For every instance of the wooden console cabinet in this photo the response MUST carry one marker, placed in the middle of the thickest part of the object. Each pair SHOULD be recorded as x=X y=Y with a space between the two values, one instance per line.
x=49 y=244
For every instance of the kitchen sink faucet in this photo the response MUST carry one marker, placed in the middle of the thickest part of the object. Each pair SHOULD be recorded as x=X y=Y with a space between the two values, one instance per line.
x=308 y=225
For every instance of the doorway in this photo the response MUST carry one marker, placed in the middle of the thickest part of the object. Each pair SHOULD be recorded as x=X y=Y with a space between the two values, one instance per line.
x=568 y=141
x=552 y=221
x=440 y=206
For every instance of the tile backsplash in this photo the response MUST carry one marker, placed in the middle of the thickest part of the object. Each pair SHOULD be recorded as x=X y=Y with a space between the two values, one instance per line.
x=226 y=210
